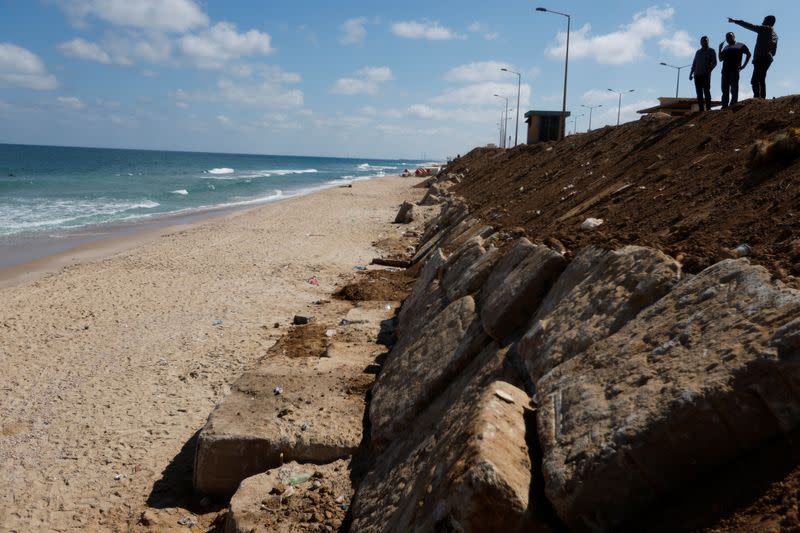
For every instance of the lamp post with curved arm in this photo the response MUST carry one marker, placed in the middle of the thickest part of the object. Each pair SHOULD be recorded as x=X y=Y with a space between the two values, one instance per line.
x=678 y=84
x=566 y=66
x=619 y=106
x=505 y=120
x=591 y=108
x=519 y=85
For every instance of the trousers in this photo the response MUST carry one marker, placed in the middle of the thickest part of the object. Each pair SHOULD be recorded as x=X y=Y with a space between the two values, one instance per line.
x=702 y=82
x=759 y=80
x=730 y=88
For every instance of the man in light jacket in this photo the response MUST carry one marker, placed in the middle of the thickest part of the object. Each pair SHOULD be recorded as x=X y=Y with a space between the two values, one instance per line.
x=705 y=59
x=764 y=53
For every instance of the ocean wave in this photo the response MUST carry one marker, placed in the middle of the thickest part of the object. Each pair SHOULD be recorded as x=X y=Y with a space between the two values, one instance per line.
x=281 y=172
x=366 y=167
x=219 y=171
x=182 y=192
x=25 y=215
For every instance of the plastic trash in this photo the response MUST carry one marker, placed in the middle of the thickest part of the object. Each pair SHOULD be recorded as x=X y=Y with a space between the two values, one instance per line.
x=277 y=391
x=743 y=250
x=298 y=478
x=120 y=477
x=591 y=224
x=330 y=333
x=217 y=323
x=359 y=267
x=306 y=425
x=313 y=280
x=188 y=521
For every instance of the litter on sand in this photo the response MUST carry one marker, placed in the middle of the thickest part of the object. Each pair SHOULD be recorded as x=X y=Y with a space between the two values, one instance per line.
x=313 y=280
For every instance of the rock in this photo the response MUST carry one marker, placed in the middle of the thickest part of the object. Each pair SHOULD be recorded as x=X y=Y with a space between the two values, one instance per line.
x=436 y=192
x=270 y=501
x=253 y=429
x=465 y=467
x=454 y=211
x=300 y=320
x=598 y=293
x=415 y=374
x=406 y=214
x=516 y=287
x=425 y=301
x=703 y=375
x=467 y=269
x=455 y=239
x=591 y=224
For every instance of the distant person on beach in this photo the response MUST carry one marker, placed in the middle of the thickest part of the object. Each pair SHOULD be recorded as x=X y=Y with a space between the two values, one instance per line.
x=731 y=57
x=764 y=53
x=704 y=62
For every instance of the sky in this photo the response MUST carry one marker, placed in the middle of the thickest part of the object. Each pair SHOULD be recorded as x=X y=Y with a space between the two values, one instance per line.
x=352 y=78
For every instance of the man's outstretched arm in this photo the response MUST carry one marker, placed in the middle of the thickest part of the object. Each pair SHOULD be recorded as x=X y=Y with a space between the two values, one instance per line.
x=743 y=24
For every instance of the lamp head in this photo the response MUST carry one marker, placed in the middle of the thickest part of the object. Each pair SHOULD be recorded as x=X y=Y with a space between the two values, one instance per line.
x=543 y=9
x=664 y=64
x=504 y=69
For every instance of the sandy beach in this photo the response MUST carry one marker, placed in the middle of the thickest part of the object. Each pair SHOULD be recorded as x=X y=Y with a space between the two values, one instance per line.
x=110 y=366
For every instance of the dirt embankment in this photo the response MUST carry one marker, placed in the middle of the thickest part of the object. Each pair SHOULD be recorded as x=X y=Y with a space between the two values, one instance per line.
x=686 y=186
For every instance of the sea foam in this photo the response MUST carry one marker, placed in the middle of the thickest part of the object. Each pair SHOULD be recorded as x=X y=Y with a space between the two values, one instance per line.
x=219 y=171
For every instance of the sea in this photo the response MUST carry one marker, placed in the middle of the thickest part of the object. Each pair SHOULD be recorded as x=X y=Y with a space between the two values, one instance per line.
x=54 y=200
x=46 y=189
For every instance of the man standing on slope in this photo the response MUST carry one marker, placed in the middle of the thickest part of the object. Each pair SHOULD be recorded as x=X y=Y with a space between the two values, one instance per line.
x=731 y=57
x=704 y=62
x=764 y=53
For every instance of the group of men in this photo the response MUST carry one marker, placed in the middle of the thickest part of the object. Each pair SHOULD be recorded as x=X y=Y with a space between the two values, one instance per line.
x=731 y=54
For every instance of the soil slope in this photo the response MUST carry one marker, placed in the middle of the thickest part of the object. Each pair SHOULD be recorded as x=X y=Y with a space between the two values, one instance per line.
x=685 y=185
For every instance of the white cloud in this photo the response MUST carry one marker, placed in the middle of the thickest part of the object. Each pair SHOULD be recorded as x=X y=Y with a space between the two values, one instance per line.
x=22 y=68
x=353 y=31
x=222 y=43
x=366 y=81
x=149 y=73
x=353 y=86
x=479 y=71
x=678 y=45
x=182 y=105
x=377 y=74
x=83 y=49
x=619 y=47
x=225 y=121
x=426 y=112
x=425 y=29
x=478 y=94
x=266 y=94
x=72 y=102
x=478 y=27
x=151 y=15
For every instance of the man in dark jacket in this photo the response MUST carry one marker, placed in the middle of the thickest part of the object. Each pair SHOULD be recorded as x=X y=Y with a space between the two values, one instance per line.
x=764 y=53
x=731 y=57
x=704 y=62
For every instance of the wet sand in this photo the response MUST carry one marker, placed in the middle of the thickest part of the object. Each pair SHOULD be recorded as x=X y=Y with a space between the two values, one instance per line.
x=111 y=364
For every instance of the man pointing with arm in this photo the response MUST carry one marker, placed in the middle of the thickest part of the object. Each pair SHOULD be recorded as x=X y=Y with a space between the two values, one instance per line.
x=764 y=53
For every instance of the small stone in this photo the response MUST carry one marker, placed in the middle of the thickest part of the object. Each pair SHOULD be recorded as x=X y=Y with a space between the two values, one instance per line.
x=300 y=320
x=506 y=397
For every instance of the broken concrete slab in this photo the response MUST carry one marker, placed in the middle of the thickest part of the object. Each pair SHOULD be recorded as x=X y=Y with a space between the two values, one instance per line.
x=406 y=214
x=424 y=302
x=468 y=268
x=698 y=378
x=465 y=467
x=414 y=375
x=254 y=429
x=291 y=497
x=598 y=293
x=300 y=320
x=517 y=286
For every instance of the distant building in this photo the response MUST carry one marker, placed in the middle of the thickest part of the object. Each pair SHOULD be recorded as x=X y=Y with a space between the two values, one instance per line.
x=676 y=107
x=545 y=126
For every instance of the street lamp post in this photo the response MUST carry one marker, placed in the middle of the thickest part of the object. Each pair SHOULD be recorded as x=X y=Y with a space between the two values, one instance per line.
x=619 y=105
x=519 y=85
x=505 y=120
x=678 y=84
x=591 y=108
x=566 y=65
x=575 y=123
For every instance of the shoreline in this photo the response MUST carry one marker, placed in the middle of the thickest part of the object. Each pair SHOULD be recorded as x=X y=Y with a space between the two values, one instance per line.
x=112 y=365
x=28 y=258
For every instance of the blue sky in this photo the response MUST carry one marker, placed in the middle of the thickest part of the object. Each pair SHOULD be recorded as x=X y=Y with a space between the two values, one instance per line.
x=348 y=78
